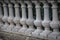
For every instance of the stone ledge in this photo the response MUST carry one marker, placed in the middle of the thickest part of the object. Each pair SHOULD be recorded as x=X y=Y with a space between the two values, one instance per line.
x=17 y=36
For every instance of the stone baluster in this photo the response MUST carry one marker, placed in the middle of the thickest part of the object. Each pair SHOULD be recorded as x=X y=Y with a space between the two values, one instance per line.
x=1 y=23
x=30 y=20
x=5 y=17
x=38 y=21
x=10 y=18
x=55 y=22
x=16 y=19
x=46 y=21
x=23 y=19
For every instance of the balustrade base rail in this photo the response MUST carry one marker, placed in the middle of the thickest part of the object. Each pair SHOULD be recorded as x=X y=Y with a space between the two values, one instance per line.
x=16 y=36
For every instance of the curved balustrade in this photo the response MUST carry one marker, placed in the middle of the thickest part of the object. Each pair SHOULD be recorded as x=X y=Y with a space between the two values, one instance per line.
x=45 y=29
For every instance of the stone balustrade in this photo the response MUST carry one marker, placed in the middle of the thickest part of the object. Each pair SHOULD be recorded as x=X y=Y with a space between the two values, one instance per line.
x=11 y=21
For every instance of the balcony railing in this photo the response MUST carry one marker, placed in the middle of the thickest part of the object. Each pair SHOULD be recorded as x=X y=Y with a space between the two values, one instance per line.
x=17 y=16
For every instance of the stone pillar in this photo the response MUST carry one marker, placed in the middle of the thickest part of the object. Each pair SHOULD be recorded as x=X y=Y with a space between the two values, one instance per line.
x=16 y=19
x=5 y=17
x=30 y=20
x=23 y=19
x=46 y=21
x=38 y=21
x=10 y=18
x=55 y=22
x=1 y=23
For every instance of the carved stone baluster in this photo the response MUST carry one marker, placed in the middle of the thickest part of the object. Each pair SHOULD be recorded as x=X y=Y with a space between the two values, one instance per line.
x=23 y=19
x=38 y=21
x=16 y=19
x=46 y=21
x=10 y=18
x=1 y=23
x=55 y=22
x=5 y=17
x=30 y=20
